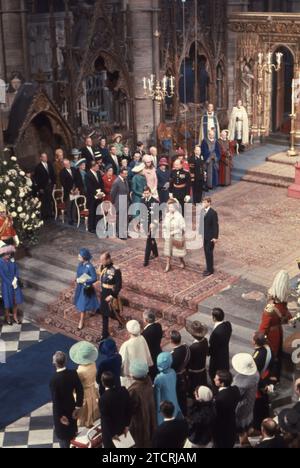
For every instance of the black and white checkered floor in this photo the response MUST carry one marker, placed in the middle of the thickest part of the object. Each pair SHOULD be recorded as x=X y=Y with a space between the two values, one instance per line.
x=34 y=430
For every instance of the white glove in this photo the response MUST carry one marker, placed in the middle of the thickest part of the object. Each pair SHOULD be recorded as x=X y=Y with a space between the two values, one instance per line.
x=15 y=282
x=16 y=241
x=80 y=281
x=187 y=199
x=171 y=195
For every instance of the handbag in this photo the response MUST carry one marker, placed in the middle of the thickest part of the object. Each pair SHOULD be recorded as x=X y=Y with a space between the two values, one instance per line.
x=89 y=291
x=178 y=244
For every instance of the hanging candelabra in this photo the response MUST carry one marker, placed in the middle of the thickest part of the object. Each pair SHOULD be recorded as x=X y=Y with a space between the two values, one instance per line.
x=159 y=90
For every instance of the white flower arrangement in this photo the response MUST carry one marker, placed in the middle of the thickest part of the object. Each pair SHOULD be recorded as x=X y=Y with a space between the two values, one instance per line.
x=16 y=194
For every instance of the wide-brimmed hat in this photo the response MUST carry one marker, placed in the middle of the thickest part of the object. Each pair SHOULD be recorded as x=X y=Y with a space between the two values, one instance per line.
x=139 y=369
x=75 y=152
x=197 y=329
x=244 y=364
x=6 y=249
x=116 y=135
x=163 y=162
x=81 y=161
x=289 y=420
x=138 y=168
x=98 y=155
x=204 y=394
x=84 y=353
x=133 y=327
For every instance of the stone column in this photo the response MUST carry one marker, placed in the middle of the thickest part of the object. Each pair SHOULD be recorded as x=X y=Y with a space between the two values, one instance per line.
x=13 y=23
x=143 y=65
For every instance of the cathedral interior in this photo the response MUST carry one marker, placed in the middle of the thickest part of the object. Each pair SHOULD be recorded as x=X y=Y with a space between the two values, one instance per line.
x=83 y=65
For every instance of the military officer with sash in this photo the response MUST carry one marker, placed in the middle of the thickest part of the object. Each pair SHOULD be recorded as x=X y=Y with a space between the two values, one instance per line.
x=111 y=285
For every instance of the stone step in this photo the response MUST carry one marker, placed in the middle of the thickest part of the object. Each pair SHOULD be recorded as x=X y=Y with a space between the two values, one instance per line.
x=38 y=298
x=34 y=281
x=266 y=181
x=46 y=269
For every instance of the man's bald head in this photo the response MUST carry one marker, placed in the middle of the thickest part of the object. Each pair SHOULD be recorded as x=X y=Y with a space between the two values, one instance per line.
x=269 y=427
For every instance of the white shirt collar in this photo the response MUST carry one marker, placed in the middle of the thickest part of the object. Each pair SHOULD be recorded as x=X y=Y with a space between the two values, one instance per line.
x=217 y=324
x=61 y=370
x=169 y=419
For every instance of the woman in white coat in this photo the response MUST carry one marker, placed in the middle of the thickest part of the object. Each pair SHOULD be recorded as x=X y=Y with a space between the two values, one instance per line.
x=174 y=234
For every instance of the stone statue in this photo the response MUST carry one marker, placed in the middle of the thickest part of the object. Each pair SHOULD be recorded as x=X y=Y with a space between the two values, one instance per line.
x=247 y=79
x=15 y=83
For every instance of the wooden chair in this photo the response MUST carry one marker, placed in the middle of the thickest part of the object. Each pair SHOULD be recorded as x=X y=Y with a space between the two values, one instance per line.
x=82 y=211
x=59 y=204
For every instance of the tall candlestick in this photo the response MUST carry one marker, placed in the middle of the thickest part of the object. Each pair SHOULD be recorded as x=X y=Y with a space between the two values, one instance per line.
x=293 y=97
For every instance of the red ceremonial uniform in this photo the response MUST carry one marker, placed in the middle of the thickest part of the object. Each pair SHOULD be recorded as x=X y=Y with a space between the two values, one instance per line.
x=274 y=316
x=7 y=230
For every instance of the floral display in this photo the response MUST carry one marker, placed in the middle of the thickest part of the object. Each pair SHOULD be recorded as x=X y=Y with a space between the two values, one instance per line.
x=16 y=193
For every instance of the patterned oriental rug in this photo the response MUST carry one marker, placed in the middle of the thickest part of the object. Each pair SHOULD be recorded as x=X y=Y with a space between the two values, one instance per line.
x=174 y=297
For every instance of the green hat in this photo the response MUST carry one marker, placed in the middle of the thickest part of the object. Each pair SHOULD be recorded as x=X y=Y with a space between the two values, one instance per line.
x=83 y=353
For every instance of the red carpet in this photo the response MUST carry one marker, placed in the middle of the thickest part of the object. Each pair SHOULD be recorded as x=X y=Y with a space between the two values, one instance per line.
x=174 y=296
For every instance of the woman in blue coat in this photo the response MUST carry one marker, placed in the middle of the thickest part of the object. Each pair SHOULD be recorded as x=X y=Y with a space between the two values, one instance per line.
x=85 y=294
x=163 y=177
x=165 y=386
x=11 y=292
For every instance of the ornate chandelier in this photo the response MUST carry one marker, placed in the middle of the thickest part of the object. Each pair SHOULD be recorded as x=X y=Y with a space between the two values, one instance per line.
x=159 y=90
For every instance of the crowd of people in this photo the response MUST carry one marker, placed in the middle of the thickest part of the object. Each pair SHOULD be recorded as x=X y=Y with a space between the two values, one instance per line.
x=185 y=396
x=103 y=172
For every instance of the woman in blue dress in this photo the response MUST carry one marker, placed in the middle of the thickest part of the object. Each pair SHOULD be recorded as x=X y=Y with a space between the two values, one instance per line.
x=85 y=295
x=163 y=176
x=165 y=386
x=11 y=292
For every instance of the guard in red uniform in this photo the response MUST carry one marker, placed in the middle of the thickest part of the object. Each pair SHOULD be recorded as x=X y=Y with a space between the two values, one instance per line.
x=7 y=231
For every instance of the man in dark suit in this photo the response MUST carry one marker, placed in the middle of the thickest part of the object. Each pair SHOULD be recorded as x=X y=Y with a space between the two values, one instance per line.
x=120 y=198
x=113 y=160
x=150 y=223
x=69 y=178
x=88 y=152
x=115 y=410
x=153 y=334
x=67 y=396
x=270 y=436
x=44 y=180
x=197 y=168
x=219 y=343
x=94 y=183
x=210 y=235
x=172 y=433
x=226 y=402
x=181 y=357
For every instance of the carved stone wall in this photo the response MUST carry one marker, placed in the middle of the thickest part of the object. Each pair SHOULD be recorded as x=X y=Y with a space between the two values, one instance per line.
x=253 y=33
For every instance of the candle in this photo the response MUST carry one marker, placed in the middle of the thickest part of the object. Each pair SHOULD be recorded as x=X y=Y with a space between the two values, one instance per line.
x=260 y=58
x=293 y=97
x=164 y=83
x=150 y=85
x=172 y=82
x=269 y=58
x=145 y=82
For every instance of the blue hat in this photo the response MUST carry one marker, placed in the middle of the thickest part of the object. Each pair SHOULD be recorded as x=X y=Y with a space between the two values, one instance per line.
x=108 y=347
x=139 y=369
x=164 y=361
x=85 y=254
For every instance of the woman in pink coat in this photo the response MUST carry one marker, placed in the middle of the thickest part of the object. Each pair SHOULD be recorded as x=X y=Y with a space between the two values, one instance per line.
x=150 y=174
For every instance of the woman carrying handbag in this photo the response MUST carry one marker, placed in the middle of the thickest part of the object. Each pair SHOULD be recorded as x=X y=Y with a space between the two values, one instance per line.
x=174 y=234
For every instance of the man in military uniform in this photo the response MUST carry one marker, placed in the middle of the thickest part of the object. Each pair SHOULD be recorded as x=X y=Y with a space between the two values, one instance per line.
x=180 y=184
x=197 y=168
x=111 y=285
x=149 y=224
x=7 y=231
